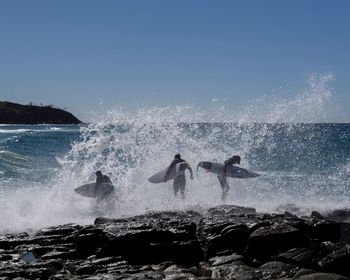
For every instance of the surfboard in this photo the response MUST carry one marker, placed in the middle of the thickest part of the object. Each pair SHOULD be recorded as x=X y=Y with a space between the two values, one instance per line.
x=159 y=177
x=231 y=171
x=88 y=190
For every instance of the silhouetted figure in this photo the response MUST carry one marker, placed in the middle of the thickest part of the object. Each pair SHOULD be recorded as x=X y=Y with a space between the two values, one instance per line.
x=179 y=183
x=223 y=178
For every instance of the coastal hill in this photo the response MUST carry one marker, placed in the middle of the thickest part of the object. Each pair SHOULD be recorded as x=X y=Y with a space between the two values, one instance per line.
x=13 y=113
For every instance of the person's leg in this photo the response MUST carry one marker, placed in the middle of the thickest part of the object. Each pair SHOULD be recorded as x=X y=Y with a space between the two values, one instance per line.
x=225 y=189
x=176 y=186
x=181 y=183
x=224 y=186
x=182 y=190
x=176 y=189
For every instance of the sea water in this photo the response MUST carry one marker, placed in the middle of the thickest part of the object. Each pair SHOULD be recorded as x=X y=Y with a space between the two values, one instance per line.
x=304 y=162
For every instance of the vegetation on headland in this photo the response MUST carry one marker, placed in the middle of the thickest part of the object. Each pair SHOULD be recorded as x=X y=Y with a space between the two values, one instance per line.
x=13 y=113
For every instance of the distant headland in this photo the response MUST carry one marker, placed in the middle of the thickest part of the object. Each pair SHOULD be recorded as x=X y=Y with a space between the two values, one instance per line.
x=13 y=113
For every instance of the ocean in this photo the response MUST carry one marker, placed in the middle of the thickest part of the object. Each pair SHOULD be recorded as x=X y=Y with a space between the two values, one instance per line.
x=303 y=166
x=303 y=158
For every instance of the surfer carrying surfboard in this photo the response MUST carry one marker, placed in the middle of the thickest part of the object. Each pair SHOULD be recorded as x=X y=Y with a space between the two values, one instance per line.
x=101 y=179
x=179 y=183
x=223 y=177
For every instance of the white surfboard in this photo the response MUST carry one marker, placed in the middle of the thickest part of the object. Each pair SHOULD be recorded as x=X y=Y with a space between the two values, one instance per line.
x=231 y=171
x=159 y=177
x=88 y=190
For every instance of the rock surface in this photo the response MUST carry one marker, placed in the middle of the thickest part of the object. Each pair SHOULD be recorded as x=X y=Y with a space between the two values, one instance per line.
x=225 y=242
x=13 y=113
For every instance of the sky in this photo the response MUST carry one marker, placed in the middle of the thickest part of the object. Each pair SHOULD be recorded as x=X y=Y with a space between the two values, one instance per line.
x=84 y=55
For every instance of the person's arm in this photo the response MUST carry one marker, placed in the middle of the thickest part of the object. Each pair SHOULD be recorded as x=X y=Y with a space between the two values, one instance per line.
x=191 y=172
x=108 y=180
x=227 y=163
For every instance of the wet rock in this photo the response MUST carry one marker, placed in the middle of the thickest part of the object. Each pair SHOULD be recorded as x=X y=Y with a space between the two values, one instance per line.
x=271 y=240
x=217 y=261
x=179 y=272
x=204 y=269
x=337 y=262
x=291 y=208
x=89 y=240
x=86 y=269
x=321 y=276
x=230 y=210
x=59 y=255
x=339 y=215
x=233 y=238
x=5 y=257
x=278 y=270
x=302 y=257
x=225 y=242
x=236 y=270
x=226 y=230
x=326 y=231
x=148 y=239
x=316 y=215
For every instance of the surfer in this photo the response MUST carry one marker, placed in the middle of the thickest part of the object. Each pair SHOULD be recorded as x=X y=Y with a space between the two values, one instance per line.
x=223 y=178
x=101 y=179
x=180 y=180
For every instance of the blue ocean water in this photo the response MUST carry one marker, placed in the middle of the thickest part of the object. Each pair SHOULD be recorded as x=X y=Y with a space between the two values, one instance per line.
x=304 y=164
x=28 y=152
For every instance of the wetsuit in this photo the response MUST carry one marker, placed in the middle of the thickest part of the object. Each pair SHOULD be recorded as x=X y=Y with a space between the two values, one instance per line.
x=223 y=179
x=179 y=181
x=99 y=181
x=103 y=179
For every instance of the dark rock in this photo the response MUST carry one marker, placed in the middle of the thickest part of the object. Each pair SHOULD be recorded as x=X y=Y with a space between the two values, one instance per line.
x=62 y=230
x=278 y=270
x=39 y=272
x=179 y=272
x=147 y=239
x=302 y=257
x=13 y=113
x=326 y=231
x=339 y=215
x=204 y=269
x=105 y=261
x=255 y=226
x=303 y=271
x=316 y=215
x=227 y=242
x=228 y=210
x=344 y=232
x=89 y=240
x=291 y=208
x=337 y=262
x=226 y=230
x=5 y=257
x=86 y=269
x=232 y=237
x=321 y=276
x=270 y=270
x=268 y=241
x=217 y=261
x=59 y=254
x=236 y=270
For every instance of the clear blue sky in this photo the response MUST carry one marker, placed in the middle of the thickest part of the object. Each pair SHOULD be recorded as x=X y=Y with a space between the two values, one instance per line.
x=138 y=53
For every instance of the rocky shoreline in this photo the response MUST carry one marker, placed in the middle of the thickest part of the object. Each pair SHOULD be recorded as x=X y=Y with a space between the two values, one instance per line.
x=226 y=242
x=14 y=113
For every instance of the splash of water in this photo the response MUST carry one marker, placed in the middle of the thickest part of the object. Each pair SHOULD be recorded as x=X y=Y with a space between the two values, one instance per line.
x=312 y=105
x=131 y=146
